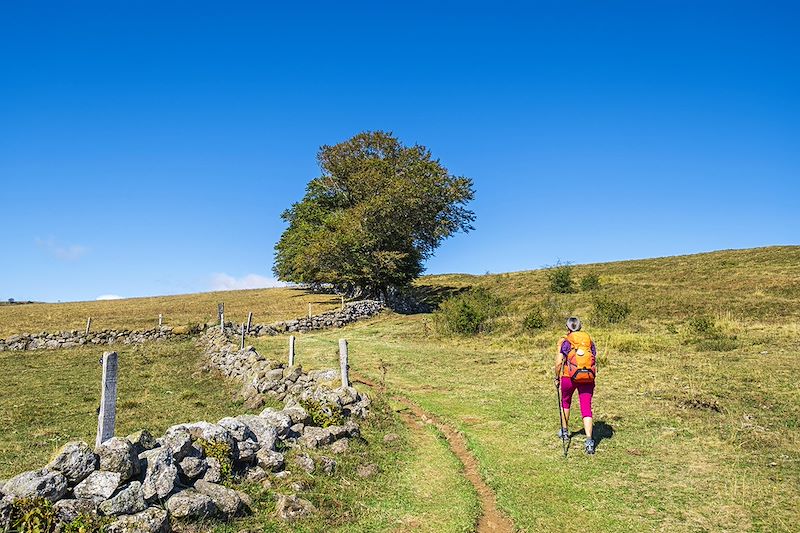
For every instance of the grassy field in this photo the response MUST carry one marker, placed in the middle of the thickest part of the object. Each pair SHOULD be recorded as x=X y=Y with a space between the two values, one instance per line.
x=267 y=305
x=695 y=411
x=690 y=438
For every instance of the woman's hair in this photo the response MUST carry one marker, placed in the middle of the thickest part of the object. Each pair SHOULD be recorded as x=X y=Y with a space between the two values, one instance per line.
x=574 y=323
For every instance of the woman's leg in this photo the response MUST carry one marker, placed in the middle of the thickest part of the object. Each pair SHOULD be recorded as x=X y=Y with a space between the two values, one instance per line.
x=585 y=392
x=567 y=388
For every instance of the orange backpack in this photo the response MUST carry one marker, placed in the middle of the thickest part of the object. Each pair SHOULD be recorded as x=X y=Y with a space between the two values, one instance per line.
x=580 y=365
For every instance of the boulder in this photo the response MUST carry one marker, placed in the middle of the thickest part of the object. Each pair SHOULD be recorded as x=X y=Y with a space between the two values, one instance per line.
x=246 y=450
x=68 y=510
x=227 y=501
x=271 y=460
x=210 y=432
x=191 y=504
x=213 y=470
x=238 y=429
x=264 y=432
x=43 y=483
x=151 y=520
x=340 y=446
x=366 y=471
x=161 y=476
x=118 y=455
x=192 y=468
x=98 y=486
x=75 y=460
x=291 y=507
x=128 y=500
x=142 y=441
x=328 y=465
x=277 y=419
x=179 y=441
x=305 y=462
x=297 y=414
x=314 y=437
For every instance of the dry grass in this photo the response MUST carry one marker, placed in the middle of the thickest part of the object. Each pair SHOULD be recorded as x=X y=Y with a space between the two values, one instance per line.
x=267 y=305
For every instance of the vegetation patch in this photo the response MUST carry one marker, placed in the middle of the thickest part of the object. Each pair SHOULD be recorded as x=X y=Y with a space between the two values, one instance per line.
x=32 y=515
x=590 y=282
x=220 y=451
x=560 y=278
x=468 y=313
x=608 y=311
x=323 y=415
x=535 y=320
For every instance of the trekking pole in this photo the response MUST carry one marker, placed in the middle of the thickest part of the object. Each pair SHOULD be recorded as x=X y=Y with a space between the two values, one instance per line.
x=564 y=442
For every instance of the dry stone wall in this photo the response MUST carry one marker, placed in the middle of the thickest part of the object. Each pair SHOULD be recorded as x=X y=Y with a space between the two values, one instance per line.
x=143 y=484
x=351 y=312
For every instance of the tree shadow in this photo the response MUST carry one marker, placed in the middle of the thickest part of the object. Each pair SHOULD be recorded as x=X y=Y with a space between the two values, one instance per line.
x=422 y=298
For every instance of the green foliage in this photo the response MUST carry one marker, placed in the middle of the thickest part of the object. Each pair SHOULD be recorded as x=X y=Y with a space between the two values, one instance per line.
x=560 y=278
x=220 y=451
x=590 y=282
x=534 y=320
x=467 y=313
x=87 y=523
x=701 y=324
x=323 y=415
x=32 y=515
x=608 y=311
x=378 y=211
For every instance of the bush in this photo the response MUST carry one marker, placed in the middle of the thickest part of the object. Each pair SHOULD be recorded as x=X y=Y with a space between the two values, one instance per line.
x=467 y=313
x=607 y=311
x=709 y=338
x=32 y=515
x=87 y=523
x=701 y=324
x=221 y=452
x=590 y=282
x=323 y=415
x=560 y=277
x=534 y=320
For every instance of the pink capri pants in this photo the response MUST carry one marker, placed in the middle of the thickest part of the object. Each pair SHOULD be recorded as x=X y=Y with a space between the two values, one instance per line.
x=585 y=391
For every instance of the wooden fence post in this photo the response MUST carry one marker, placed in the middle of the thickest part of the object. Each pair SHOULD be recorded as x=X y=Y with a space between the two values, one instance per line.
x=242 y=346
x=309 y=310
x=221 y=315
x=342 y=302
x=88 y=324
x=249 y=320
x=160 y=320
x=108 y=399
x=291 y=350
x=344 y=367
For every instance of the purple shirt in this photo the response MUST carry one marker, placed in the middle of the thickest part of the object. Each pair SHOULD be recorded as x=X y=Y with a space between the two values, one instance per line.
x=566 y=346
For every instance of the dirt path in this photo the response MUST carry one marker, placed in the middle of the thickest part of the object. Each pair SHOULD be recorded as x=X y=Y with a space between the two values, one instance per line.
x=492 y=520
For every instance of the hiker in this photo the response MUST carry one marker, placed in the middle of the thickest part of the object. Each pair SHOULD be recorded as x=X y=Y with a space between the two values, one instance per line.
x=575 y=369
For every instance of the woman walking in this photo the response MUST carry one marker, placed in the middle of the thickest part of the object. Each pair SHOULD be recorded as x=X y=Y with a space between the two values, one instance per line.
x=575 y=369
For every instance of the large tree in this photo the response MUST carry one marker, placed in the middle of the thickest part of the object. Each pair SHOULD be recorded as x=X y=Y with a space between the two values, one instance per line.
x=373 y=217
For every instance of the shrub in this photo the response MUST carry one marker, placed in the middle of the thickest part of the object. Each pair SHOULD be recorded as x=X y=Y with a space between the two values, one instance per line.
x=32 y=515
x=701 y=324
x=590 y=282
x=323 y=415
x=609 y=311
x=87 y=523
x=220 y=451
x=467 y=313
x=560 y=277
x=534 y=320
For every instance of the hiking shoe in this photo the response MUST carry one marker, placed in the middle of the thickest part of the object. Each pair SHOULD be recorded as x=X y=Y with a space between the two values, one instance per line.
x=589 y=446
x=563 y=434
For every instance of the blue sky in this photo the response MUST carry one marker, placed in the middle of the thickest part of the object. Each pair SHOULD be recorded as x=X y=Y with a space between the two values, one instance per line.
x=150 y=147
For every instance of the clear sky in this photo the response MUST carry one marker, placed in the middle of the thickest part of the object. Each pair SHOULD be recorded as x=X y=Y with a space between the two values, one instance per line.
x=150 y=147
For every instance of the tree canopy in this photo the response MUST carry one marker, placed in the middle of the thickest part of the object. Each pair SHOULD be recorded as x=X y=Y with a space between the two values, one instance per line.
x=375 y=215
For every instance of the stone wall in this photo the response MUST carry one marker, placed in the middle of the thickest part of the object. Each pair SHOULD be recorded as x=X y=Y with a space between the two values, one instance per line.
x=351 y=312
x=142 y=484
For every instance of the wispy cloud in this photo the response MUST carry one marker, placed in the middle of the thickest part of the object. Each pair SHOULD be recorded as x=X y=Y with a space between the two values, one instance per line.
x=61 y=251
x=225 y=282
x=109 y=297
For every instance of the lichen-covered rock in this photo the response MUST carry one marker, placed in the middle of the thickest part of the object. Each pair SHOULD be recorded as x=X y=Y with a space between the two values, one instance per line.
x=118 y=455
x=68 y=510
x=237 y=429
x=192 y=468
x=5 y=514
x=161 y=476
x=305 y=462
x=264 y=432
x=179 y=441
x=297 y=414
x=44 y=483
x=75 y=460
x=213 y=470
x=340 y=446
x=291 y=507
x=151 y=520
x=128 y=500
x=191 y=504
x=366 y=471
x=227 y=501
x=142 y=441
x=246 y=450
x=210 y=432
x=271 y=460
x=314 y=437
x=328 y=465
x=98 y=486
x=277 y=419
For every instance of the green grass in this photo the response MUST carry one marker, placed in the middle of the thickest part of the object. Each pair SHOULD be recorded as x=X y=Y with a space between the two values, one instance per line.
x=51 y=396
x=267 y=305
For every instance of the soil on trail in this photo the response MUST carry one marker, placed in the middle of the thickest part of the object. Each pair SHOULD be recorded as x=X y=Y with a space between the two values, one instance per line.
x=491 y=519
